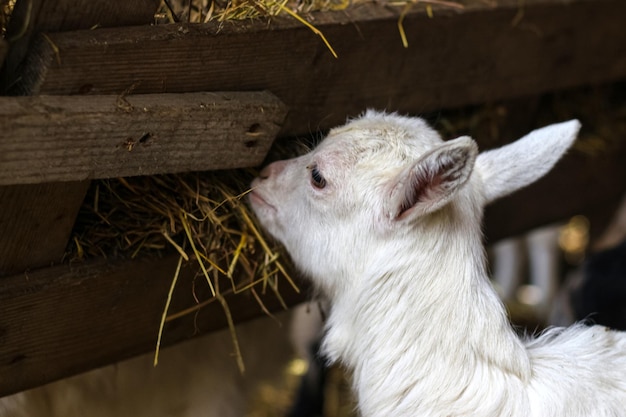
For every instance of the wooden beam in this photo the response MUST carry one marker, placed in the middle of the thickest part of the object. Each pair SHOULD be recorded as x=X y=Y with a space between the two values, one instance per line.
x=60 y=138
x=476 y=55
x=64 y=320
x=36 y=220
x=30 y=17
x=36 y=223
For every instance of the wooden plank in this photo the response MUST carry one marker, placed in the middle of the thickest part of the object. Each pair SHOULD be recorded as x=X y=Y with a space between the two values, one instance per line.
x=43 y=336
x=59 y=138
x=30 y=17
x=36 y=223
x=64 y=320
x=36 y=220
x=476 y=55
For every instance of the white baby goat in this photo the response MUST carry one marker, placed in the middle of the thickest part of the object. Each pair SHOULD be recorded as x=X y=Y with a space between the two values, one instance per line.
x=385 y=218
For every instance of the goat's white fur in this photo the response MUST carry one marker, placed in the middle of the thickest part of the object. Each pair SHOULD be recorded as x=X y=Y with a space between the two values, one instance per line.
x=394 y=241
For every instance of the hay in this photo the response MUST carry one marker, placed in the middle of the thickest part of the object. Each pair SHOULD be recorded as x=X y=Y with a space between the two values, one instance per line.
x=200 y=216
x=202 y=11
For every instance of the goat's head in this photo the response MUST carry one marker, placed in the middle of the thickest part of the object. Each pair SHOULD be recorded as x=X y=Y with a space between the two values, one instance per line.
x=375 y=179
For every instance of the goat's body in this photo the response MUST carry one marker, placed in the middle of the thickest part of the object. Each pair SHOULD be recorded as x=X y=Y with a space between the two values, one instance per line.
x=385 y=218
x=575 y=372
x=457 y=355
x=578 y=371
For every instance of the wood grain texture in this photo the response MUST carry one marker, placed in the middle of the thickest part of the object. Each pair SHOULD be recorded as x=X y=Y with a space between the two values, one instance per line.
x=64 y=320
x=476 y=55
x=30 y=17
x=36 y=222
x=60 y=138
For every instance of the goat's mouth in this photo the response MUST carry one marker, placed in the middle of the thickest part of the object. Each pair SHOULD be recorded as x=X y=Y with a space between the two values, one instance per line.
x=257 y=200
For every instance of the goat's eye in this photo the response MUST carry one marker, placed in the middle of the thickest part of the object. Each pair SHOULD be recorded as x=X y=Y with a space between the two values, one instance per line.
x=317 y=179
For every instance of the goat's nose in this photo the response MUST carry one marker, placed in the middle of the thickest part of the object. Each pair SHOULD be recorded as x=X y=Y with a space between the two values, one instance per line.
x=272 y=169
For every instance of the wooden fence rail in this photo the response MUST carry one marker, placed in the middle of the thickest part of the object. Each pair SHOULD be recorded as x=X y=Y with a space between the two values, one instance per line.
x=75 y=138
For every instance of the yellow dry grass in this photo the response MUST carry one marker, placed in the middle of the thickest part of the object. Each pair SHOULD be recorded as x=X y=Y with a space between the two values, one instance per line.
x=201 y=216
x=198 y=11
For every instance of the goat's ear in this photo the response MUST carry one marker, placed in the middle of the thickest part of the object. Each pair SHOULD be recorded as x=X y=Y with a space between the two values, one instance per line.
x=524 y=161
x=433 y=180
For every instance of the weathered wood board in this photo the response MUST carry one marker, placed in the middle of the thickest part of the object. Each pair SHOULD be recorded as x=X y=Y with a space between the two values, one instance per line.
x=30 y=17
x=73 y=138
x=63 y=320
x=36 y=223
x=38 y=218
x=475 y=55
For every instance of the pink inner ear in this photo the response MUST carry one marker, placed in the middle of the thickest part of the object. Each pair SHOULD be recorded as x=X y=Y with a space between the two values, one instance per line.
x=424 y=185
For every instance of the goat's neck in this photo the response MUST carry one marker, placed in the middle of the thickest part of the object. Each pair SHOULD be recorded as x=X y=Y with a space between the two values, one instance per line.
x=425 y=327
